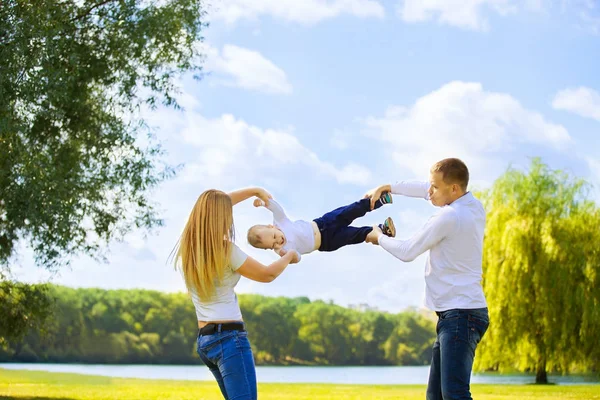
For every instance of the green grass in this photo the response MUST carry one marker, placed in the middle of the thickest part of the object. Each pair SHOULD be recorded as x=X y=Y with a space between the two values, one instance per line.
x=36 y=385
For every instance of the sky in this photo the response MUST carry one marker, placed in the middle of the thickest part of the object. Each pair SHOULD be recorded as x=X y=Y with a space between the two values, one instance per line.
x=319 y=101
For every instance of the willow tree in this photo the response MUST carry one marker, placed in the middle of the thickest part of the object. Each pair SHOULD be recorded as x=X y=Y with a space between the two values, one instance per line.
x=76 y=167
x=541 y=268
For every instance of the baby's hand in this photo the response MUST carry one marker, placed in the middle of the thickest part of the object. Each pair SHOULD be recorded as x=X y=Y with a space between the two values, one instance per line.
x=263 y=195
x=258 y=203
x=295 y=259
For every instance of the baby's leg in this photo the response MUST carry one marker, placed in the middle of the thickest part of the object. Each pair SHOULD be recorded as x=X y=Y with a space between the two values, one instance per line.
x=343 y=236
x=343 y=216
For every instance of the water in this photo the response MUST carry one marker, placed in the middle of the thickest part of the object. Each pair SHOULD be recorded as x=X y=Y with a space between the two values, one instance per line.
x=340 y=375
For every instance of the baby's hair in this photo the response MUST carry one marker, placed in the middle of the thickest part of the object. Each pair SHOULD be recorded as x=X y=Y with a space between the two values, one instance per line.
x=253 y=237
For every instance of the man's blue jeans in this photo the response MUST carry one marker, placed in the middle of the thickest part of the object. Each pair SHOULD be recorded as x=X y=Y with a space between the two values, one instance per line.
x=229 y=357
x=458 y=333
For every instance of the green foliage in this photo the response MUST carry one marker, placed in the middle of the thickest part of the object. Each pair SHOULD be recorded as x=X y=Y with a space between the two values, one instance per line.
x=541 y=266
x=22 y=307
x=74 y=171
x=141 y=326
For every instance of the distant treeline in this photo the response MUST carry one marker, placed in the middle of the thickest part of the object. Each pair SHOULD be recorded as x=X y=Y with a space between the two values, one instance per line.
x=143 y=326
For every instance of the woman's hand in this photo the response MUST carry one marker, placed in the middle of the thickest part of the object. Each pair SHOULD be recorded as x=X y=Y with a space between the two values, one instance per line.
x=263 y=195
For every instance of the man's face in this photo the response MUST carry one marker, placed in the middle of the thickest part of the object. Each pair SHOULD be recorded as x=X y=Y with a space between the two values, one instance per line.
x=440 y=192
x=271 y=237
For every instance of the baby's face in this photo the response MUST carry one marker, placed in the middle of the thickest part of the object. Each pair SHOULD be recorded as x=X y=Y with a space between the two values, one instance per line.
x=271 y=238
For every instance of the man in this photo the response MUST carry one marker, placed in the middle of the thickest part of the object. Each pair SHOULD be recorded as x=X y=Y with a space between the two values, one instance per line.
x=453 y=272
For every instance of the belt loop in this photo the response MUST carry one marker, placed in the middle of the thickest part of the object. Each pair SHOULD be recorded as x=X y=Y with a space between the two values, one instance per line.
x=219 y=326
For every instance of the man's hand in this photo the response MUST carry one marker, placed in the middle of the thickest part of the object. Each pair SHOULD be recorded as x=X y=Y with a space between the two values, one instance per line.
x=263 y=195
x=375 y=194
x=373 y=236
x=258 y=203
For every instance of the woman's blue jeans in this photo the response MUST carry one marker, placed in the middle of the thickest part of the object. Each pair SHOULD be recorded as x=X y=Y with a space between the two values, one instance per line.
x=458 y=333
x=229 y=357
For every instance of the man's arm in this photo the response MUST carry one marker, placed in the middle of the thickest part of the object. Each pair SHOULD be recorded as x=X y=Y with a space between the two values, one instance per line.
x=419 y=189
x=434 y=231
x=240 y=195
x=274 y=207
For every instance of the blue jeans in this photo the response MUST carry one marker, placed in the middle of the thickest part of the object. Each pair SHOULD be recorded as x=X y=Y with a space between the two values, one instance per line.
x=229 y=357
x=335 y=229
x=458 y=333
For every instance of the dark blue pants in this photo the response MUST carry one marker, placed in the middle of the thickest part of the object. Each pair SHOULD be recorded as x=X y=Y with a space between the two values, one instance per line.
x=458 y=333
x=335 y=229
x=229 y=357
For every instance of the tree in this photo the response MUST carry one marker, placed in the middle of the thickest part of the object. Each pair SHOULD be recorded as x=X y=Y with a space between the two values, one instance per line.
x=324 y=327
x=541 y=272
x=74 y=171
x=75 y=168
x=21 y=307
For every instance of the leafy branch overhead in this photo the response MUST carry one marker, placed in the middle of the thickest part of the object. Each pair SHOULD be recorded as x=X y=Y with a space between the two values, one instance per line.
x=73 y=75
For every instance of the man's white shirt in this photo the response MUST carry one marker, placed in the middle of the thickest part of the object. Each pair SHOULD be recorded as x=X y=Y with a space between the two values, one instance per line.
x=454 y=238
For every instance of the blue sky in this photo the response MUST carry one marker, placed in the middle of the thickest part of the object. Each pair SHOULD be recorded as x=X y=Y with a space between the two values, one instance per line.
x=319 y=101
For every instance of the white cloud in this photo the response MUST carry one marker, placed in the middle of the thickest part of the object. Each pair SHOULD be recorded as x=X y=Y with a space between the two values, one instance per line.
x=474 y=14
x=462 y=120
x=230 y=146
x=586 y=12
x=466 y=14
x=582 y=101
x=248 y=69
x=590 y=23
x=304 y=11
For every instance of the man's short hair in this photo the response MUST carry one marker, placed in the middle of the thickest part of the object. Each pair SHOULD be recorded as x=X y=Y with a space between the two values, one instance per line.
x=453 y=171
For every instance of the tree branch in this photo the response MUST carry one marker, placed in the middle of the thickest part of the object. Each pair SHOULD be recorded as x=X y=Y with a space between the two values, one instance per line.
x=89 y=10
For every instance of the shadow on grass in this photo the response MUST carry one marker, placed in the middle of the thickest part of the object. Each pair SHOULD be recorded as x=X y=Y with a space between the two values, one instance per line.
x=527 y=384
x=33 y=398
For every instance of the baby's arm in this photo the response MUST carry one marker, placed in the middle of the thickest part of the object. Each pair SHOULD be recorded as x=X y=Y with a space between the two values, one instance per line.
x=274 y=207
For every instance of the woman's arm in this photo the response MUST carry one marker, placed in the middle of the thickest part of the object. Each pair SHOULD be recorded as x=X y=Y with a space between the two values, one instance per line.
x=240 y=195
x=256 y=271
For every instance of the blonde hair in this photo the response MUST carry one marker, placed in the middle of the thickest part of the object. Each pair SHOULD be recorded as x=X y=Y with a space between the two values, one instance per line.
x=253 y=235
x=204 y=248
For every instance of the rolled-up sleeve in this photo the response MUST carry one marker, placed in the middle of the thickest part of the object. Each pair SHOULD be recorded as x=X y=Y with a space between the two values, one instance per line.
x=418 y=189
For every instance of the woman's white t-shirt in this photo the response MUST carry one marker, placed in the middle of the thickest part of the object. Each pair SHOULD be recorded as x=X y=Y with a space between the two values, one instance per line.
x=223 y=306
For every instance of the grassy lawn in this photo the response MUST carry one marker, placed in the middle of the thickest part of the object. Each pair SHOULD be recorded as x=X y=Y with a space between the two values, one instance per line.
x=36 y=385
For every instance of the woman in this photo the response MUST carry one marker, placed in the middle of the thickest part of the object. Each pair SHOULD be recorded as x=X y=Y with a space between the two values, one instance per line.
x=212 y=265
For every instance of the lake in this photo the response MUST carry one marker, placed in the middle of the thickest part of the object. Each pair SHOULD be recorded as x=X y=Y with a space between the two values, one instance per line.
x=290 y=374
